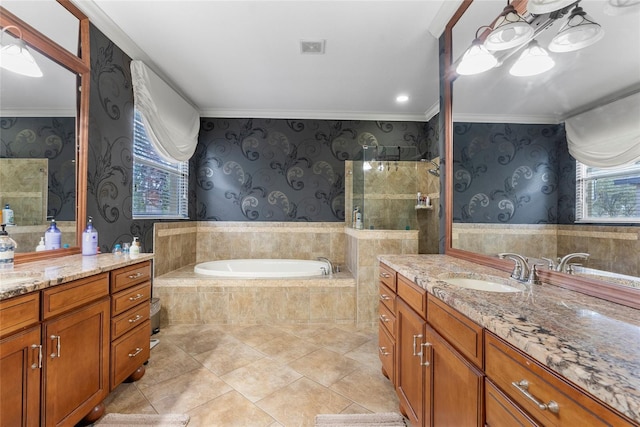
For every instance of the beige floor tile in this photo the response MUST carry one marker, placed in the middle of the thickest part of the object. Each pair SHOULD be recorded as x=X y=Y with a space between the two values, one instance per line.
x=127 y=399
x=229 y=410
x=369 y=389
x=167 y=361
x=310 y=399
x=229 y=355
x=199 y=339
x=286 y=348
x=354 y=408
x=183 y=393
x=366 y=354
x=340 y=340
x=325 y=366
x=258 y=334
x=261 y=378
x=307 y=331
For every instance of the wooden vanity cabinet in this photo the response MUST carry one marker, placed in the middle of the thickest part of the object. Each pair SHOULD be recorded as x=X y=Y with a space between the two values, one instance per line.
x=387 y=322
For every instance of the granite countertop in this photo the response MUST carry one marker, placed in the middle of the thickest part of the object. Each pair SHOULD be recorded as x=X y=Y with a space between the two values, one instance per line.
x=36 y=275
x=593 y=343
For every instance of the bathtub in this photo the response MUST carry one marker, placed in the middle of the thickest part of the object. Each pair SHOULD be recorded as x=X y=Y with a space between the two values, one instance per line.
x=262 y=268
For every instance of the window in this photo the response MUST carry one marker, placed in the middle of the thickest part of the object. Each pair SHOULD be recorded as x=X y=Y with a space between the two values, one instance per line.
x=608 y=194
x=160 y=188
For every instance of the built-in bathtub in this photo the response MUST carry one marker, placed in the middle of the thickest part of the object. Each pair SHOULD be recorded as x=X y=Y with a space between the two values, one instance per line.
x=190 y=297
x=263 y=268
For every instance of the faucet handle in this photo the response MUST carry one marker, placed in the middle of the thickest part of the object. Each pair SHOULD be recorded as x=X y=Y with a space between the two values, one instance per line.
x=550 y=263
x=533 y=278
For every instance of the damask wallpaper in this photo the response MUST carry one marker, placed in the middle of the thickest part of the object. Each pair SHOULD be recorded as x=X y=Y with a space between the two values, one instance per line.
x=512 y=173
x=51 y=138
x=288 y=170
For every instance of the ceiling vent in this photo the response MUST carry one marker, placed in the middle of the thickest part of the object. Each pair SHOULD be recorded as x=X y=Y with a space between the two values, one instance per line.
x=312 y=46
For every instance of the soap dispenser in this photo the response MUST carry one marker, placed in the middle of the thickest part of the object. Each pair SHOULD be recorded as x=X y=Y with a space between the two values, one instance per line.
x=7 y=250
x=53 y=237
x=90 y=239
x=134 y=251
x=41 y=246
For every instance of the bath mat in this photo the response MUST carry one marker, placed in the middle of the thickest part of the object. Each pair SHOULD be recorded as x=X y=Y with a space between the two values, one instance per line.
x=152 y=420
x=386 y=419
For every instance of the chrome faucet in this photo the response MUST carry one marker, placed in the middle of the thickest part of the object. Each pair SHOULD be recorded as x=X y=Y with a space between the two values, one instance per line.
x=328 y=261
x=520 y=269
x=564 y=263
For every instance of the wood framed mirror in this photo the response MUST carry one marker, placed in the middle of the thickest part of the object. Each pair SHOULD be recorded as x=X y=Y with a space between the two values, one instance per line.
x=76 y=60
x=601 y=288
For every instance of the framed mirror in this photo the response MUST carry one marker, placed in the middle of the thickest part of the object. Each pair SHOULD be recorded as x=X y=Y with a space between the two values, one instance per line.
x=45 y=125
x=489 y=118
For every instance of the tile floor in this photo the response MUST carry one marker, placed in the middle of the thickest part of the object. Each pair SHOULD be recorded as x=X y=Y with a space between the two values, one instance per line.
x=259 y=375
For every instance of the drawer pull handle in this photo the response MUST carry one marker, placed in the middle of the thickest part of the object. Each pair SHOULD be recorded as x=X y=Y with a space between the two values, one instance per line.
x=384 y=297
x=415 y=337
x=135 y=297
x=423 y=346
x=384 y=318
x=385 y=275
x=135 y=276
x=383 y=351
x=39 y=363
x=136 y=352
x=135 y=319
x=523 y=387
x=57 y=338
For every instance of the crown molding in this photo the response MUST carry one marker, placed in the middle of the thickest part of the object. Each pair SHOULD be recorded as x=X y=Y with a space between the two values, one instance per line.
x=431 y=112
x=38 y=113
x=442 y=17
x=494 y=118
x=313 y=115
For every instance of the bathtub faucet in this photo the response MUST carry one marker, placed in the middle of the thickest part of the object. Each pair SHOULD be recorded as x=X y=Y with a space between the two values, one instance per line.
x=329 y=264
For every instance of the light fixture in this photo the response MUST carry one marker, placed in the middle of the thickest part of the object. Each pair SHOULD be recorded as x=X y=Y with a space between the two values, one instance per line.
x=534 y=60
x=578 y=32
x=15 y=56
x=510 y=30
x=540 y=7
x=402 y=98
x=621 y=7
x=477 y=59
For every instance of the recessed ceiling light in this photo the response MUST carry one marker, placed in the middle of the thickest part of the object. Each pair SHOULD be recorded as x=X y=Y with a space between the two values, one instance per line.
x=402 y=98
x=312 y=46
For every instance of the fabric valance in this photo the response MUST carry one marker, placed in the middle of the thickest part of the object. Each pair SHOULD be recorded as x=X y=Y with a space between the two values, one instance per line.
x=606 y=136
x=172 y=124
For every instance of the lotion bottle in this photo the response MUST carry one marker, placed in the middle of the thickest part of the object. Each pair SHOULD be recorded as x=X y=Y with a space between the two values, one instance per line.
x=41 y=246
x=134 y=250
x=7 y=215
x=53 y=237
x=90 y=239
x=7 y=250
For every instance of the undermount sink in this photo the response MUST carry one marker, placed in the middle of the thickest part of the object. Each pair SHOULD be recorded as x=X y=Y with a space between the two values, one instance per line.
x=483 y=285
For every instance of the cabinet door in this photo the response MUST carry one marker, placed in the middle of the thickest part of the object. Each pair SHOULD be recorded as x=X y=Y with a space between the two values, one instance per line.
x=20 y=379
x=410 y=374
x=454 y=393
x=76 y=368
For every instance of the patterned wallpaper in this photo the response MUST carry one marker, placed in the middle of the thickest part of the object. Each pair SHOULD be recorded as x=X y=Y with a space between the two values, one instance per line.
x=512 y=173
x=52 y=138
x=288 y=170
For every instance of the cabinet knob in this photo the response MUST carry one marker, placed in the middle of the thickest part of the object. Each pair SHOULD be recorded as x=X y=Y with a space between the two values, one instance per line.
x=415 y=337
x=384 y=297
x=135 y=352
x=135 y=297
x=383 y=351
x=38 y=364
x=56 y=338
x=135 y=276
x=384 y=318
x=523 y=387
x=135 y=319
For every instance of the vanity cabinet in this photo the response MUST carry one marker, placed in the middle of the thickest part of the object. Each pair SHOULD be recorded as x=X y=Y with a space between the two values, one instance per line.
x=387 y=322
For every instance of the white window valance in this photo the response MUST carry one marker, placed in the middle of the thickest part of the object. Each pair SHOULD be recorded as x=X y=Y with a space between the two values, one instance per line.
x=606 y=136
x=172 y=124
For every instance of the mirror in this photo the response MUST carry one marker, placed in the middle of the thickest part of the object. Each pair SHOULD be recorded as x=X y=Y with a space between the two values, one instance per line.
x=44 y=125
x=510 y=111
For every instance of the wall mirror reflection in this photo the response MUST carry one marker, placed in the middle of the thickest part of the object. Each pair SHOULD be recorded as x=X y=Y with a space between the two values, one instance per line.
x=514 y=177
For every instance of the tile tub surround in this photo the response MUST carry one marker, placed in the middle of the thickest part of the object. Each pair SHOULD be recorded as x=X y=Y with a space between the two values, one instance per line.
x=190 y=298
x=33 y=276
x=177 y=244
x=591 y=342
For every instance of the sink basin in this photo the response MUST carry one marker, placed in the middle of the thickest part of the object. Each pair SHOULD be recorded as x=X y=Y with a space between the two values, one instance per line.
x=483 y=285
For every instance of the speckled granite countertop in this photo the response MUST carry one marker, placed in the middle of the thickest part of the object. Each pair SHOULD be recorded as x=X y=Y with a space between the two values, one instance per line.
x=593 y=343
x=36 y=275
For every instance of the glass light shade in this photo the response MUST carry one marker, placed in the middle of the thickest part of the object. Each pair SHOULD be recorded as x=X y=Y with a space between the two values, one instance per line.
x=534 y=60
x=477 y=59
x=578 y=32
x=16 y=57
x=509 y=31
x=540 y=7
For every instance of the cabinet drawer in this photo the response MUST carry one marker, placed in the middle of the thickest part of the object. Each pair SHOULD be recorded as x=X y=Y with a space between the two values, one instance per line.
x=388 y=277
x=125 y=277
x=413 y=295
x=19 y=313
x=129 y=320
x=129 y=352
x=387 y=318
x=501 y=411
x=387 y=353
x=387 y=297
x=507 y=367
x=123 y=301
x=464 y=334
x=63 y=298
